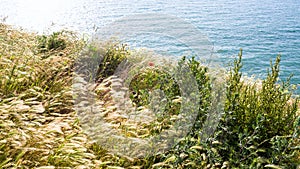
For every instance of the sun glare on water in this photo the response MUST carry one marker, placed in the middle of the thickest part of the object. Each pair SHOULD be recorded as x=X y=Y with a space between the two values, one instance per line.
x=43 y=12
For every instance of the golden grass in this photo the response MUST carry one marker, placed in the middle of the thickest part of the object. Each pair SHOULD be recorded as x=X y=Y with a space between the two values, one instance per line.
x=38 y=126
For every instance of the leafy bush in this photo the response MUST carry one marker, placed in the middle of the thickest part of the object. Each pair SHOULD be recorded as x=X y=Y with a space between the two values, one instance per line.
x=153 y=78
x=257 y=127
x=52 y=42
x=149 y=80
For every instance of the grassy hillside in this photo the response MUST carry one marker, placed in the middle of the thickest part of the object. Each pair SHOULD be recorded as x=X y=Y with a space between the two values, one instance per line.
x=39 y=127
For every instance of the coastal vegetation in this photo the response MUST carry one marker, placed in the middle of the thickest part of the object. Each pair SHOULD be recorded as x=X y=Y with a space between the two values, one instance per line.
x=40 y=128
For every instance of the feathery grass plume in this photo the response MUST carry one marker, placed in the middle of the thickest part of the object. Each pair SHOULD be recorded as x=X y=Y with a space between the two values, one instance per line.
x=38 y=124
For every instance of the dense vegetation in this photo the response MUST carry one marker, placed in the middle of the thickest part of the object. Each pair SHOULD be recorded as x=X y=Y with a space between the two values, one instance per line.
x=39 y=127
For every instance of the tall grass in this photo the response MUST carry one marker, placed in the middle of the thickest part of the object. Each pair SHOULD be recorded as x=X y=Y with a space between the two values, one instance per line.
x=38 y=126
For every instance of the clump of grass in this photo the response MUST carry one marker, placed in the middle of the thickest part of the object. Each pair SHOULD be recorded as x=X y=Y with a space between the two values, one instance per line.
x=38 y=123
x=112 y=58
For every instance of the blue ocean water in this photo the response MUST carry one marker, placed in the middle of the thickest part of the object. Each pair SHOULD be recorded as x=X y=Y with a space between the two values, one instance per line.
x=262 y=29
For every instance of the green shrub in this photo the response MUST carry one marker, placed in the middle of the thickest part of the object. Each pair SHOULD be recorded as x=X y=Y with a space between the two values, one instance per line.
x=258 y=130
x=152 y=79
x=55 y=41
x=257 y=127
x=148 y=81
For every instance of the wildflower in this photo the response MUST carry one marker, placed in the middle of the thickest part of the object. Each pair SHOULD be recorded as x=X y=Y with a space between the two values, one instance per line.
x=151 y=64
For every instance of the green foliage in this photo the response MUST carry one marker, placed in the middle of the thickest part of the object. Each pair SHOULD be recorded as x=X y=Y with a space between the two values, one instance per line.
x=258 y=122
x=203 y=80
x=55 y=41
x=152 y=79
x=259 y=128
x=113 y=56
